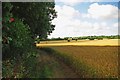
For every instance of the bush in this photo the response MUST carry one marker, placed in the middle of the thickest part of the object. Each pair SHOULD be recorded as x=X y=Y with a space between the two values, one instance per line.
x=16 y=37
x=16 y=46
x=100 y=38
x=91 y=38
x=21 y=67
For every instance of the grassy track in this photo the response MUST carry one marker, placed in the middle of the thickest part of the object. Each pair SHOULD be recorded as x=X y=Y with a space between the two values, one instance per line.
x=51 y=67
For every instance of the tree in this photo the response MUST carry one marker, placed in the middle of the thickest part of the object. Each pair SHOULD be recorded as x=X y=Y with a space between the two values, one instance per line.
x=23 y=20
x=37 y=15
x=20 y=21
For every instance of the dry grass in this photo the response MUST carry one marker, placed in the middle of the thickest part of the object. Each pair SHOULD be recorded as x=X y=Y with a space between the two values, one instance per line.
x=103 y=59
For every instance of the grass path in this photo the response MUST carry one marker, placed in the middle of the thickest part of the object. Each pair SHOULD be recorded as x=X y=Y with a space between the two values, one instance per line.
x=53 y=68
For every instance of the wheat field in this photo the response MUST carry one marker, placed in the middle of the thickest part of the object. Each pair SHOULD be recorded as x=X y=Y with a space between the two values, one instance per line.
x=105 y=42
x=103 y=60
x=101 y=56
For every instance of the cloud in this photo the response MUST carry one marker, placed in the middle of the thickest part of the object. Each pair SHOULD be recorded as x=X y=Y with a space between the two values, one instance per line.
x=65 y=21
x=65 y=14
x=70 y=2
x=104 y=12
x=74 y=2
x=71 y=22
x=115 y=25
x=100 y=26
x=95 y=0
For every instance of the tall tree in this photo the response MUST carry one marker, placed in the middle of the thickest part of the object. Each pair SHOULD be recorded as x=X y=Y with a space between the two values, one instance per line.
x=38 y=15
x=21 y=19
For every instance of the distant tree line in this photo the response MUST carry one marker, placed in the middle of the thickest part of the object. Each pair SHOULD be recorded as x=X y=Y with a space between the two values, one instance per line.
x=99 y=37
x=84 y=37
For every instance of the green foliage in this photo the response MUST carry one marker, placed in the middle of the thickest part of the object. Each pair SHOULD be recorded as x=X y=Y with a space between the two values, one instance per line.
x=21 y=22
x=37 y=40
x=37 y=15
x=46 y=71
x=21 y=67
x=16 y=42
x=66 y=38
x=57 y=38
x=12 y=68
x=96 y=37
x=16 y=36
x=91 y=38
x=100 y=38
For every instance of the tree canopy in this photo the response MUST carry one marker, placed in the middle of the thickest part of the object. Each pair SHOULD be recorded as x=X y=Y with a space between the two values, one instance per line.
x=38 y=15
x=23 y=21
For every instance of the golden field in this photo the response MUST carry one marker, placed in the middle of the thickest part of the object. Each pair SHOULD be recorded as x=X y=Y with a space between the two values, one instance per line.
x=105 y=42
x=102 y=60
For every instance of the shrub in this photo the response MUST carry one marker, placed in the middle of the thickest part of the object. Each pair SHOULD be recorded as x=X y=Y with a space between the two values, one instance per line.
x=16 y=37
x=91 y=38
x=100 y=38
x=21 y=67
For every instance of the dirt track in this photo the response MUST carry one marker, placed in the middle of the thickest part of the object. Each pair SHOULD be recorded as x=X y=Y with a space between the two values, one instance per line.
x=105 y=42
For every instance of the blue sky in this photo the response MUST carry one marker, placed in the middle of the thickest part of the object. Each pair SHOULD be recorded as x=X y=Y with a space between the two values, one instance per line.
x=85 y=18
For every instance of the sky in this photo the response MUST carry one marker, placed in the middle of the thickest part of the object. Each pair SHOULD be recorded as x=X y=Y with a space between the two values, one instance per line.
x=79 y=18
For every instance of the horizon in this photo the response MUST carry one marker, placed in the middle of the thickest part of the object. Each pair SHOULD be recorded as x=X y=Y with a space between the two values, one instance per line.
x=85 y=36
